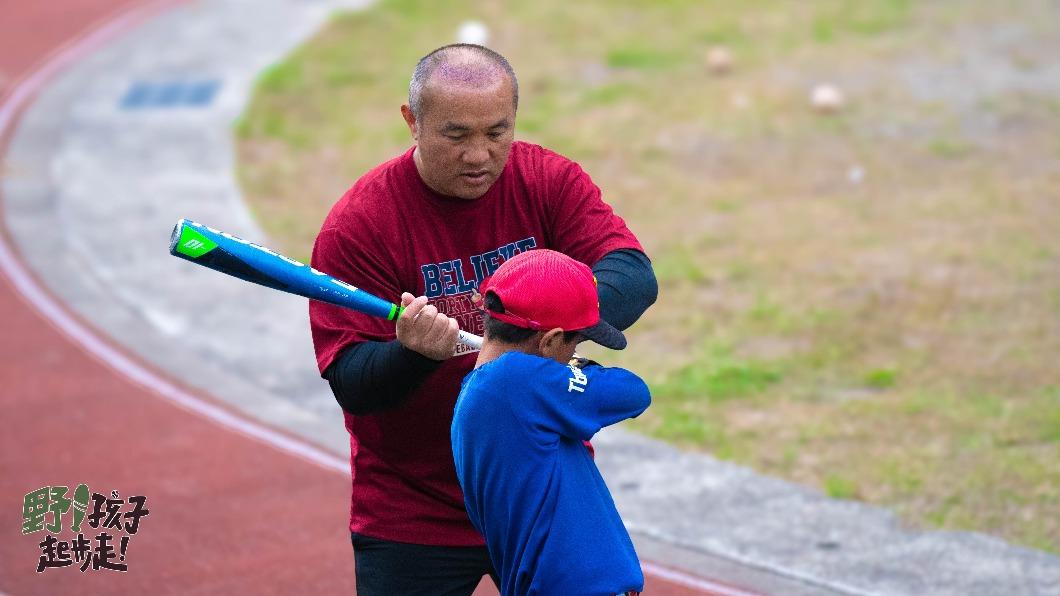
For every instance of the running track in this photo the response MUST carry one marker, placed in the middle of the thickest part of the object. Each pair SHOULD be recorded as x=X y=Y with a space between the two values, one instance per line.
x=229 y=513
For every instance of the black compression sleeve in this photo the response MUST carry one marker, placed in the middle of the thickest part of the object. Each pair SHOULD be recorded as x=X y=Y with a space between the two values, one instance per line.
x=626 y=285
x=372 y=376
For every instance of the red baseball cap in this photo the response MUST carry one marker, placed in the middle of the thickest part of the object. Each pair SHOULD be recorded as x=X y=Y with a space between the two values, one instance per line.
x=543 y=289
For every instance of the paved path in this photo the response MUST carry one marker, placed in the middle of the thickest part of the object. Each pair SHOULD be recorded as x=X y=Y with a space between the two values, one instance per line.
x=97 y=174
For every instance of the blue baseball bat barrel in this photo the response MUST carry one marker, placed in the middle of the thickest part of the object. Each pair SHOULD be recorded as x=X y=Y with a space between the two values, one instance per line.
x=256 y=264
x=250 y=262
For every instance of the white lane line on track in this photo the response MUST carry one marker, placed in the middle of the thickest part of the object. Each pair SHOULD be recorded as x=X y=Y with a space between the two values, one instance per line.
x=25 y=89
x=690 y=581
x=31 y=291
x=140 y=375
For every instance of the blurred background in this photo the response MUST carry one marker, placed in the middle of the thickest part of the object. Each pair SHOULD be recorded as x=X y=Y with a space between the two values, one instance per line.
x=852 y=209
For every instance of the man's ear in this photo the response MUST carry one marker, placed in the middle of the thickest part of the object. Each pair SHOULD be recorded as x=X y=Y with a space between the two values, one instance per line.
x=551 y=344
x=410 y=120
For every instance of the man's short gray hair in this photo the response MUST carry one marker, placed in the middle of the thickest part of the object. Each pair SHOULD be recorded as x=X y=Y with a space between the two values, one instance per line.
x=443 y=56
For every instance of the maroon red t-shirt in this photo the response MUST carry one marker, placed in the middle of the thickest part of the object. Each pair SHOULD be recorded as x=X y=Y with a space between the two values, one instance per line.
x=391 y=233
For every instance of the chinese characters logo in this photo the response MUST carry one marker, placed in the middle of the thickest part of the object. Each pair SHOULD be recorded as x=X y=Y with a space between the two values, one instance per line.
x=44 y=508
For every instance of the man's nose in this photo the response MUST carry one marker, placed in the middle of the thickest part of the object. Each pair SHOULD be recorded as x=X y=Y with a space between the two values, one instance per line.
x=476 y=153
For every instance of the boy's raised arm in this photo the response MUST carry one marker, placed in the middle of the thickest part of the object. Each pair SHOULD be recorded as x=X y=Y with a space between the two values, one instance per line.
x=582 y=401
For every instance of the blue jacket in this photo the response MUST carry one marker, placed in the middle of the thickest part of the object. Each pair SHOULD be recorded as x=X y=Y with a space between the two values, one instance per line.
x=530 y=485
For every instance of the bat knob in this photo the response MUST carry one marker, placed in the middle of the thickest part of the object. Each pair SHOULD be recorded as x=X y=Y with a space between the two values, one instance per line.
x=174 y=237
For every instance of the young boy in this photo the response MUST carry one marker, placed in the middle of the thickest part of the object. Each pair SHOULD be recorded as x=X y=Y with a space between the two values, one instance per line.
x=530 y=485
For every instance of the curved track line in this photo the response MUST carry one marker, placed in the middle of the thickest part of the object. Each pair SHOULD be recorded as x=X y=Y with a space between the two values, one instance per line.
x=691 y=581
x=32 y=292
x=144 y=377
x=88 y=340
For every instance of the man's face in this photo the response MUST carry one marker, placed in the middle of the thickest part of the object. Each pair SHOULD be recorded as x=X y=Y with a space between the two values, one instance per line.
x=463 y=136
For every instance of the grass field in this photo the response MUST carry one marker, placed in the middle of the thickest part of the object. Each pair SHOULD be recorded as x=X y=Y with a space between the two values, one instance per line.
x=867 y=303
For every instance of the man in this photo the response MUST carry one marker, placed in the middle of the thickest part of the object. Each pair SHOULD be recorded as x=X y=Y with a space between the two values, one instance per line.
x=529 y=483
x=432 y=223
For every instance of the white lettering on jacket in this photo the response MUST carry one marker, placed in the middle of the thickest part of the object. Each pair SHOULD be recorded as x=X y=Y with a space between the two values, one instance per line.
x=577 y=382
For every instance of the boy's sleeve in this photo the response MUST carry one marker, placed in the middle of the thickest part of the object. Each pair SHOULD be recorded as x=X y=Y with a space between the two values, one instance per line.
x=577 y=403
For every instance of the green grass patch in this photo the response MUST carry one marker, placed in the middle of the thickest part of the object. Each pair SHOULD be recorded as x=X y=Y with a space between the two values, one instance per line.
x=770 y=315
x=641 y=58
x=1049 y=423
x=949 y=148
x=728 y=33
x=920 y=403
x=881 y=378
x=679 y=264
x=724 y=205
x=859 y=19
x=839 y=487
x=719 y=379
x=606 y=95
x=823 y=30
x=286 y=76
x=902 y=475
x=681 y=426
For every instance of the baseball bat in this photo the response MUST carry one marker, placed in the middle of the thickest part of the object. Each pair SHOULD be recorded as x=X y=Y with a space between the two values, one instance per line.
x=247 y=261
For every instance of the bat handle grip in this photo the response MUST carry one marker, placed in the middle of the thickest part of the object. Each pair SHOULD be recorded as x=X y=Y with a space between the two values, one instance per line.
x=468 y=339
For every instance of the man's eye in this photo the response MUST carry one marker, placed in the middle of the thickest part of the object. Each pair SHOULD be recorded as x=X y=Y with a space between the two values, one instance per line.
x=495 y=135
x=454 y=137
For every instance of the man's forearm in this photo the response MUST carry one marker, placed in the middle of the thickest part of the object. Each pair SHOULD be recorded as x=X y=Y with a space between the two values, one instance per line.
x=372 y=377
x=626 y=285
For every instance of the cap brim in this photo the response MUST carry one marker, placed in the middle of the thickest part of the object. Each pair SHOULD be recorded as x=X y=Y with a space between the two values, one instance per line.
x=605 y=335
